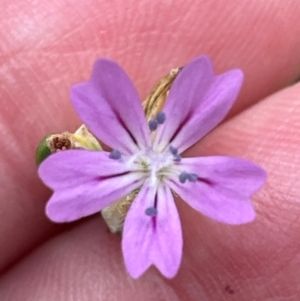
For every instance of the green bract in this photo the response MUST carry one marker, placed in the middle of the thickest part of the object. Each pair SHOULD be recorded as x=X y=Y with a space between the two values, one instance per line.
x=42 y=151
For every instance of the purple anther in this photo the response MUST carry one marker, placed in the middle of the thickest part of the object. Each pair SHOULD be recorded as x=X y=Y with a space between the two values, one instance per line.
x=160 y=117
x=183 y=177
x=192 y=177
x=115 y=154
x=177 y=158
x=173 y=150
x=151 y=211
x=152 y=125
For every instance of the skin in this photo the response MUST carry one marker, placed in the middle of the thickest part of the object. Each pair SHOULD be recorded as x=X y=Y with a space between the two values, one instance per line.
x=48 y=46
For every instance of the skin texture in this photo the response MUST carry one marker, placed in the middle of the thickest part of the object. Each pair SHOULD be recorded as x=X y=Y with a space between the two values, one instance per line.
x=48 y=46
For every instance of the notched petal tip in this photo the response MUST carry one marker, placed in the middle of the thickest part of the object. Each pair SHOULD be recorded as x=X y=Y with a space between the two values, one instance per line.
x=103 y=63
x=234 y=77
x=244 y=214
x=201 y=61
x=55 y=214
x=261 y=176
x=135 y=273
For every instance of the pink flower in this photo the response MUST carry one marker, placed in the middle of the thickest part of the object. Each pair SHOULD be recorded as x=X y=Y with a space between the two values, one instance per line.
x=146 y=156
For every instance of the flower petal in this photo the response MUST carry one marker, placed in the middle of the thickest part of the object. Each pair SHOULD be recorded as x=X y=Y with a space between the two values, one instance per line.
x=197 y=102
x=109 y=105
x=84 y=183
x=223 y=189
x=152 y=240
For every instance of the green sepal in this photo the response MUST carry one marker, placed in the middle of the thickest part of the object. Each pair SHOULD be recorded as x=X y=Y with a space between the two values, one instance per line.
x=42 y=151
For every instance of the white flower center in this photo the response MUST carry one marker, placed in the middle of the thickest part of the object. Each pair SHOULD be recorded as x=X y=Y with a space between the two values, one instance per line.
x=155 y=166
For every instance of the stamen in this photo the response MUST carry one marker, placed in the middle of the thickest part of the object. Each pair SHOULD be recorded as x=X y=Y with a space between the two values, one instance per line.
x=151 y=211
x=173 y=150
x=183 y=177
x=192 y=177
x=160 y=117
x=152 y=125
x=115 y=154
x=177 y=158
